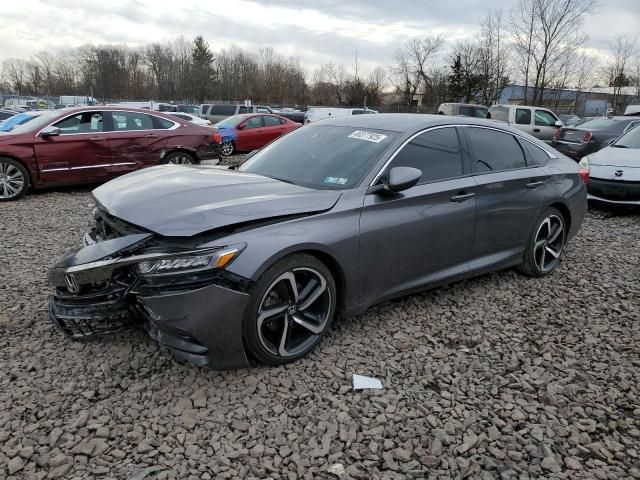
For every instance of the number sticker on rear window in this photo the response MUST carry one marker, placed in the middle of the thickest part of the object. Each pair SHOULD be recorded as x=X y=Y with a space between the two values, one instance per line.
x=367 y=136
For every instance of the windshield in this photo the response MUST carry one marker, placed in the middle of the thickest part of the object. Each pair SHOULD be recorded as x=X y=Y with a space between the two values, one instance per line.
x=28 y=121
x=322 y=156
x=231 y=121
x=631 y=139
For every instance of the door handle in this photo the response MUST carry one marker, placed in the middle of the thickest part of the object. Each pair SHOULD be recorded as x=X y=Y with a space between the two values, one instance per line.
x=97 y=139
x=462 y=197
x=536 y=130
x=534 y=184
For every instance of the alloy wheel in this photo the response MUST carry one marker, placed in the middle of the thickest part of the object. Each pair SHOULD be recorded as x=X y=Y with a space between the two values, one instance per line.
x=226 y=148
x=12 y=180
x=294 y=312
x=181 y=160
x=548 y=243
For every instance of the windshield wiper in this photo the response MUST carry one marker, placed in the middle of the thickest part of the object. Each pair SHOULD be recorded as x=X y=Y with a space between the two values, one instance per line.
x=279 y=179
x=618 y=146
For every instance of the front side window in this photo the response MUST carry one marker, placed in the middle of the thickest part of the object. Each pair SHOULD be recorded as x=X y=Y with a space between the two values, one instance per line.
x=324 y=157
x=545 y=119
x=494 y=151
x=244 y=109
x=85 y=122
x=253 y=122
x=436 y=153
x=523 y=116
x=125 y=121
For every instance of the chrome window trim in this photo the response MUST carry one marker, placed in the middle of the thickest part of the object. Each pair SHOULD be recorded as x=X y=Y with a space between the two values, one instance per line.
x=175 y=124
x=404 y=144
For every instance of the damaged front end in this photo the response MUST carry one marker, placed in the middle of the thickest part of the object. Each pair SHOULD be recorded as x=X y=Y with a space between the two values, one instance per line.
x=125 y=278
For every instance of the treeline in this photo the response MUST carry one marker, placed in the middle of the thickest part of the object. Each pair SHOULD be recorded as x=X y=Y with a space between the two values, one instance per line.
x=540 y=44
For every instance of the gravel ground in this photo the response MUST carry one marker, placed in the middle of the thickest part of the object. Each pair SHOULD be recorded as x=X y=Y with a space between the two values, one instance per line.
x=496 y=377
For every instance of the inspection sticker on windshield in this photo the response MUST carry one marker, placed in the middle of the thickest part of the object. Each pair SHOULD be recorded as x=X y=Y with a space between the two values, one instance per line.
x=368 y=136
x=336 y=180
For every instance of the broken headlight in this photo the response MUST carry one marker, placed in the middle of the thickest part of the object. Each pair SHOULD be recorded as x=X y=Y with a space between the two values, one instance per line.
x=189 y=263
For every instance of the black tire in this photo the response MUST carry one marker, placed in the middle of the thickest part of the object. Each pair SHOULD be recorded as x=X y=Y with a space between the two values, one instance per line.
x=302 y=327
x=545 y=244
x=179 y=158
x=14 y=180
x=227 y=148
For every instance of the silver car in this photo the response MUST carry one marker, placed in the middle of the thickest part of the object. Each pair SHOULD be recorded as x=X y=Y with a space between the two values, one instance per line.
x=614 y=171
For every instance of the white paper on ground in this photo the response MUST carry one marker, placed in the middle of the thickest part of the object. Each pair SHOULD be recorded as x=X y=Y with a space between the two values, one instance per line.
x=361 y=382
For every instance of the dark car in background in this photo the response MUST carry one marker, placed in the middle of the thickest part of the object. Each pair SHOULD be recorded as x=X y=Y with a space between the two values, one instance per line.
x=92 y=144
x=463 y=109
x=231 y=267
x=244 y=133
x=591 y=136
x=614 y=171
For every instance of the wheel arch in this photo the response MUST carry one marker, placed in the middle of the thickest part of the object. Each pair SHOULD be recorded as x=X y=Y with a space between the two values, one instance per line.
x=21 y=162
x=566 y=213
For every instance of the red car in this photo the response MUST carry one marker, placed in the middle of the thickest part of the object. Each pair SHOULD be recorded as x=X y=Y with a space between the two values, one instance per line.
x=92 y=144
x=248 y=132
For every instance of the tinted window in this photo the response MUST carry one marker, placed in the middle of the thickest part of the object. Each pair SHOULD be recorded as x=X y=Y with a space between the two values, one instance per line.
x=537 y=156
x=357 y=112
x=322 y=156
x=222 y=110
x=499 y=113
x=244 y=109
x=5 y=115
x=494 y=151
x=124 y=121
x=436 y=152
x=481 y=112
x=545 y=119
x=162 y=123
x=184 y=117
x=203 y=109
x=270 y=121
x=85 y=122
x=253 y=122
x=466 y=111
x=523 y=116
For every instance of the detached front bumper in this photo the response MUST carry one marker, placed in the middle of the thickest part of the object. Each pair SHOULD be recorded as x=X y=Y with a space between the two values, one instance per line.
x=198 y=319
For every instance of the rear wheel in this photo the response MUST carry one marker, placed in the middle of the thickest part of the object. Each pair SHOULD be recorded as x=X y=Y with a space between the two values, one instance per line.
x=545 y=245
x=179 y=158
x=14 y=180
x=292 y=307
x=227 y=148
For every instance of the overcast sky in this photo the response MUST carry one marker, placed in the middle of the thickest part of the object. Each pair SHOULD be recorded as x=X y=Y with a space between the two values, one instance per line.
x=317 y=31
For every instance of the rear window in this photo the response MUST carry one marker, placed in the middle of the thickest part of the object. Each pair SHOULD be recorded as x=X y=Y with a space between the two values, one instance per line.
x=499 y=113
x=602 y=124
x=222 y=110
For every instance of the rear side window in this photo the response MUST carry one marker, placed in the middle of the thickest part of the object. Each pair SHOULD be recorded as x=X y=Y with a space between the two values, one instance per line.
x=163 y=123
x=271 y=121
x=499 y=113
x=222 y=110
x=125 y=121
x=436 y=153
x=523 y=116
x=494 y=151
x=537 y=156
x=466 y=111
x=481 y=112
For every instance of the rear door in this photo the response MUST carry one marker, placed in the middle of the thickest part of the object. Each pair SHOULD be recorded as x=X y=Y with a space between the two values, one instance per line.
x=273 y=127
x=426 y=232
x=137 y=139
x=510 y=189
x=80 y=153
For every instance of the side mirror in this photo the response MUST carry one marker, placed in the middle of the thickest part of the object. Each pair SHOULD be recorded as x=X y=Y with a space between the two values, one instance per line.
x=401 y=178
x=50 y=131
x=241 y=126
x=558 y=124
x=611 y=140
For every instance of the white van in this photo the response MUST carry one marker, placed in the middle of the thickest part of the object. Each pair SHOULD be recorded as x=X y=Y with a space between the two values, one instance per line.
x=314 y=114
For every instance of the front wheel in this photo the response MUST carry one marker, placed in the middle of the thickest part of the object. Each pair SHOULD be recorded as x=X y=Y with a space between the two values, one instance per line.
x=227 y=148
x=291 y=309
x=178 y=158
x=545 y=245
x=14 y=180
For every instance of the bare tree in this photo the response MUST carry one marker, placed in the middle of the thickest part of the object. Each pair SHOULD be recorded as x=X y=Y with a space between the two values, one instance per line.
x=492 y=58
x=375 y=85
x=15 y=71
x=617 y=69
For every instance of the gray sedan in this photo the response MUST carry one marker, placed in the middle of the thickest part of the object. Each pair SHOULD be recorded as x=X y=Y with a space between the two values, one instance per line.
x=614 y=171
x=232 y=267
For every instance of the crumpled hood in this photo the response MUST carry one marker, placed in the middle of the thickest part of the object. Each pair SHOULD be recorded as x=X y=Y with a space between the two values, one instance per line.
x=618 y=157
x=179 y=201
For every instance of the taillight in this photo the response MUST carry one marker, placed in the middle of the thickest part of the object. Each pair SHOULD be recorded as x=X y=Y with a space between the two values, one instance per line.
x=583 y=169
x=217 y=138
x=586 y=137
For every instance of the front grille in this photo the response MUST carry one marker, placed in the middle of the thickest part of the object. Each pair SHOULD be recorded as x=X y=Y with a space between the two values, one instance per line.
x=614 y=189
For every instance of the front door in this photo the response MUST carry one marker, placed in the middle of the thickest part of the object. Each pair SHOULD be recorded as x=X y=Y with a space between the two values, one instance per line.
x=510 y=190
x=251 y=134
x=426 y=232
x=79 y=153
x=544 y=125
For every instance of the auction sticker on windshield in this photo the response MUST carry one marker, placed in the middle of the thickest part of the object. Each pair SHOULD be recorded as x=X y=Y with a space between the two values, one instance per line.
x=368 y=136
x=336 y=180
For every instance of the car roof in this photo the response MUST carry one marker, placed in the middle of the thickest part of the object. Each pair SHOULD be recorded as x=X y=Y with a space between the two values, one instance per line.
x=410 y=122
